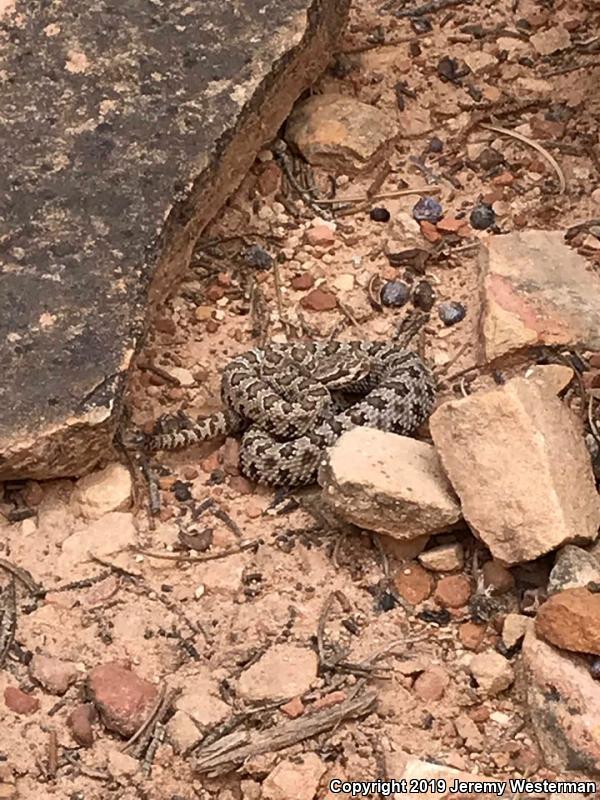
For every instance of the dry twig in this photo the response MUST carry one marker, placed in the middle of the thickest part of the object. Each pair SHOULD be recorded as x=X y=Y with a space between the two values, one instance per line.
x=384 y=195
x=231 y=751
x=198 y=559
x=542 y=151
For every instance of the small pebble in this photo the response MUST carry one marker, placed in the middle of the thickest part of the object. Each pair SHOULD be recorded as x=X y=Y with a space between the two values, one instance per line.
x=421 y=25
x=490 y=158
x=424 y=296
x=428 y=209
x=181 y=491
x=436 y=145
x=395 y=293
x=257 y=257
x=380 y=214
x=482 y=216
x=451 y=313
x=595 y=668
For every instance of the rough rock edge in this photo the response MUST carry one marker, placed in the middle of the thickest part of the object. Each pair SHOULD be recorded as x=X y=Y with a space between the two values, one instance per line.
x=76 y=446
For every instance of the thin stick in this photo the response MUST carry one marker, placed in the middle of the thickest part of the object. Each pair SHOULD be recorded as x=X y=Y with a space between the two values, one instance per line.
x=197 y=559
x=384 y=195
x=148 y=721
x=453 y=360
x=23 y=576
x=152 y=716
x=431 y=7
x=232 y=750
x=571 y=68
x=161 y=373
x=52 y=753
x=544 y=153
x=321 y=629
x=344 y=308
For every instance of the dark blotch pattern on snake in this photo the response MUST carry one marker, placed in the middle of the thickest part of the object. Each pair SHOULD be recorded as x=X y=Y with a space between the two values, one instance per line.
x=292 y=401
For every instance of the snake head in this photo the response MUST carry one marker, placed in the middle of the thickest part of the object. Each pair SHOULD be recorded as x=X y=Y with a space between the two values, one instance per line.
x=134 y=439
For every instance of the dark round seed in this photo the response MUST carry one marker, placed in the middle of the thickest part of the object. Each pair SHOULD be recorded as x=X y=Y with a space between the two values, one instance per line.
x=428 y=209
x=182 y=491
x=380 y=214
x=395 y=293
x=490 y=158
x=387 y=602
x=424 y=296
x=451 y=312
x=482 y=216
x=257 y=257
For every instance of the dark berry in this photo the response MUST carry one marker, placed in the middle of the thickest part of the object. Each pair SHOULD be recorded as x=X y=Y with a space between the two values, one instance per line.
x=380 y=214
x=424 y=296
x=489 y=158
x=428 y=209
x=182 y=491
x=387 y=602
x=436 y=145
x=395 y=293
x=451 y=313
x=482 y=216
x=257 y=257
x=595 y=668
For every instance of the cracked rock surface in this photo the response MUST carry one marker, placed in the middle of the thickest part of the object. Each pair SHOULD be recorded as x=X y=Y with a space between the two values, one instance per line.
x=124 y=128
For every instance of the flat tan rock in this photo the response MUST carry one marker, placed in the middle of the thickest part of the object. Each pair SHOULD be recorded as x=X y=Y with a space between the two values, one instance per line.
x=298 y=778
x=340 y=132
x=443 y=558
x=283 y=672
x=108 y=536
x=493 y=672
x=106 y=490
x=439 y=780
x=537 y=290
x=388 y=483
x=553 y=377
x=517 y=460
x=571 y=620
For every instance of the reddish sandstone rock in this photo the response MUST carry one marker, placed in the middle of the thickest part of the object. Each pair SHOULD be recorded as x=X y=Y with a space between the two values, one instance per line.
x=319 y=300
x=20 y=702
x=80 y=722
x=123 y=698
x=537 y=290
x=413 y=583
x=453 y=591
x=302 y=282
x=571 y=620
x=320 y=235
x=471 y=635
x=431 y=684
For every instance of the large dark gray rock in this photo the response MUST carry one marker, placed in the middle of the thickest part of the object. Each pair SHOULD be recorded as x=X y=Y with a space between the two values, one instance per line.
x=125 y=124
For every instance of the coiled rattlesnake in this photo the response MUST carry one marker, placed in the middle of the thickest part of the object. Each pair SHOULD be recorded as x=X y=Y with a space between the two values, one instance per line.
x=294 y=400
